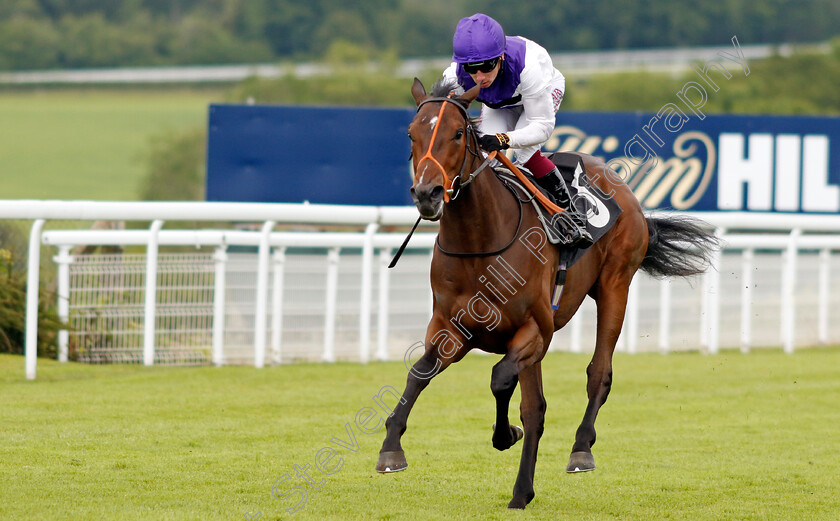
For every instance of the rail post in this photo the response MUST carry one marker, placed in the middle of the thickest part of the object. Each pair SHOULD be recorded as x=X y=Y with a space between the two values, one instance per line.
x=220 y=259
x=150 y=302
x=262 y=294
x=33 y=274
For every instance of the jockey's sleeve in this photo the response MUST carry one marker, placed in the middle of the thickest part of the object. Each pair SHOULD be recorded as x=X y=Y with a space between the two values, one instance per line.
x=538 y=119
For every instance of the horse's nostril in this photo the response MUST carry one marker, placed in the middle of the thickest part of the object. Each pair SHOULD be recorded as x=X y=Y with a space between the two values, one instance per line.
x=437 y=193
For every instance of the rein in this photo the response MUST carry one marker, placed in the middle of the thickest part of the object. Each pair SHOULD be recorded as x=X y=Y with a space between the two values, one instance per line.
x=487 y=253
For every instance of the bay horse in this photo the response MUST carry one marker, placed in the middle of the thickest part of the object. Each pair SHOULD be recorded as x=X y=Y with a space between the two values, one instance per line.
x=492 y=289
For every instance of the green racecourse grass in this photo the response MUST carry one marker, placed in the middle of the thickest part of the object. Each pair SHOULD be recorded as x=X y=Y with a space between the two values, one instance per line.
x=683 y=436
x=87 y=144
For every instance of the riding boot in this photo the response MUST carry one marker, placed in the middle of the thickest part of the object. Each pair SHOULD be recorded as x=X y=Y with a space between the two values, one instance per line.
x=556 y=186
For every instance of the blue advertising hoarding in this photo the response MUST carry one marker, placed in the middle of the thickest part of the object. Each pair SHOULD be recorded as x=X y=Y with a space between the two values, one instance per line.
x=672 y=159
x=297 y=154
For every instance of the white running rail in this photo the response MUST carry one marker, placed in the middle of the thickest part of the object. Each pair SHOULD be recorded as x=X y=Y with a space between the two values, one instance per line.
x=750 y=234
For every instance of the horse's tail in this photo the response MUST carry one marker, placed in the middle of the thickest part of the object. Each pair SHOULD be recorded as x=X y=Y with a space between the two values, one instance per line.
x=678 y=246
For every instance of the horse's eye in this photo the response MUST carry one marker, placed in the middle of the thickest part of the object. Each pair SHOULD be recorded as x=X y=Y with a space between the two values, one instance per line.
x=459 y=133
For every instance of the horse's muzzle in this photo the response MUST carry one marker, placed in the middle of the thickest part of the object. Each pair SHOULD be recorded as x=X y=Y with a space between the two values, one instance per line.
x=429 y=201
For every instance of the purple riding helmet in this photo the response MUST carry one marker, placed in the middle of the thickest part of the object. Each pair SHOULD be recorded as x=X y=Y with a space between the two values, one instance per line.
x=477 y=38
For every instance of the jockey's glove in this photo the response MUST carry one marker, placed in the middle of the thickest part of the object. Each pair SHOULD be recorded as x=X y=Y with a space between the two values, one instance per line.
x=492 y=142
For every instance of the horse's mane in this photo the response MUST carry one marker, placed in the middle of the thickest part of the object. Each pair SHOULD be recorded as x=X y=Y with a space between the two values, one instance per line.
x=444 y=86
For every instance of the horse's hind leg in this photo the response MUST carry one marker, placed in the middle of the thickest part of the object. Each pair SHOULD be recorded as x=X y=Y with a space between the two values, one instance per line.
x=392 y=457
x=611 y=298
x=521 y=354
x=532 y=413
x=502 y=383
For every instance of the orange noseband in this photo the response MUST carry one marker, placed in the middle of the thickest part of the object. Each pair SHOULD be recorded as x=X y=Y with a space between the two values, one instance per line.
x=446 y=183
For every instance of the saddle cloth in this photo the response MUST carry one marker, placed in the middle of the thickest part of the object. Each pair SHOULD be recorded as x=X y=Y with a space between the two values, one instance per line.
x=601 y=210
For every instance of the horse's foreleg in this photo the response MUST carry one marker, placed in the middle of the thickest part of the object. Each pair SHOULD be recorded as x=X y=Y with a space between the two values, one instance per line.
x=392 y=457
x=611 y=305
x=532 y=413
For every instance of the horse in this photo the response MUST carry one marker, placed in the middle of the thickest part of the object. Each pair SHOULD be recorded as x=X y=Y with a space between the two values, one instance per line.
x=492 y=289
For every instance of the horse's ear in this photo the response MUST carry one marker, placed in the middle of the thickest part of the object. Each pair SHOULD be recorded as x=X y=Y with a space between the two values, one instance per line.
x=418 y=91
x=470 y=95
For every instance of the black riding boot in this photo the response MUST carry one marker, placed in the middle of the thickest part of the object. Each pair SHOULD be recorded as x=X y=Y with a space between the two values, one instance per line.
x=554 y=183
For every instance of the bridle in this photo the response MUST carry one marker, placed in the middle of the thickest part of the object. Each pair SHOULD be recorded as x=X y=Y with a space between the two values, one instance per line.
x=453 y=187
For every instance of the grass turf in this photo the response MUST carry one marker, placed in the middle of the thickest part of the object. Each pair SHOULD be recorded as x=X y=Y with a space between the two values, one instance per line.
x=683 y=436
x=87 y=144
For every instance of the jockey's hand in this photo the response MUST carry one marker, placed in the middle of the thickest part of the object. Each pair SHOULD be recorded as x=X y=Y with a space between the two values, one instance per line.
x=492 y=142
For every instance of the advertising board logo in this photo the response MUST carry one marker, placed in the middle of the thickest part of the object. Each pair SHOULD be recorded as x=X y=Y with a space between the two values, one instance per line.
x=783 y=172
x=677 y=182
x=752 y=171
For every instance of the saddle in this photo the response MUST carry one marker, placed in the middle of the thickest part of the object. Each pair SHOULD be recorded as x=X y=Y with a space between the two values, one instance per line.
x=601 y=210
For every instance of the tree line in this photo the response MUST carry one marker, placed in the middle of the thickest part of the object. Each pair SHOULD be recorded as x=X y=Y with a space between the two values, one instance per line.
x=36 y=34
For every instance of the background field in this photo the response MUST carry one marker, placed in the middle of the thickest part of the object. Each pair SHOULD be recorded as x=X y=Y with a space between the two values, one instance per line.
x=683 y=436
x=87 y=144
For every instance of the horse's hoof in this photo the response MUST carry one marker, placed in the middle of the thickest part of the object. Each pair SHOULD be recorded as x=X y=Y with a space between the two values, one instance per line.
x=581 y=462
x=519 y=503
x=516 y=431
x=516 y=434
x=391 y=461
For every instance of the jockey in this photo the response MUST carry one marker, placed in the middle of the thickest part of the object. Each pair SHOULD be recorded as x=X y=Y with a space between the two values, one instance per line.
x=520 y=91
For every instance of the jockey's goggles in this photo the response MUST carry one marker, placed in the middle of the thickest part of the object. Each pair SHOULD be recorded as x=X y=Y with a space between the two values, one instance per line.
x=482 y=66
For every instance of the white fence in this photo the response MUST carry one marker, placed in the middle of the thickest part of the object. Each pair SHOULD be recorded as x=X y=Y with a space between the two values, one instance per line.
x=281 y=302
x=313 y=305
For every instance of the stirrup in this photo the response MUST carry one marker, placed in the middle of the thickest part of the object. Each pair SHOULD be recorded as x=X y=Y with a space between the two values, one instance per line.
x=578 y=235
x=580 y=238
